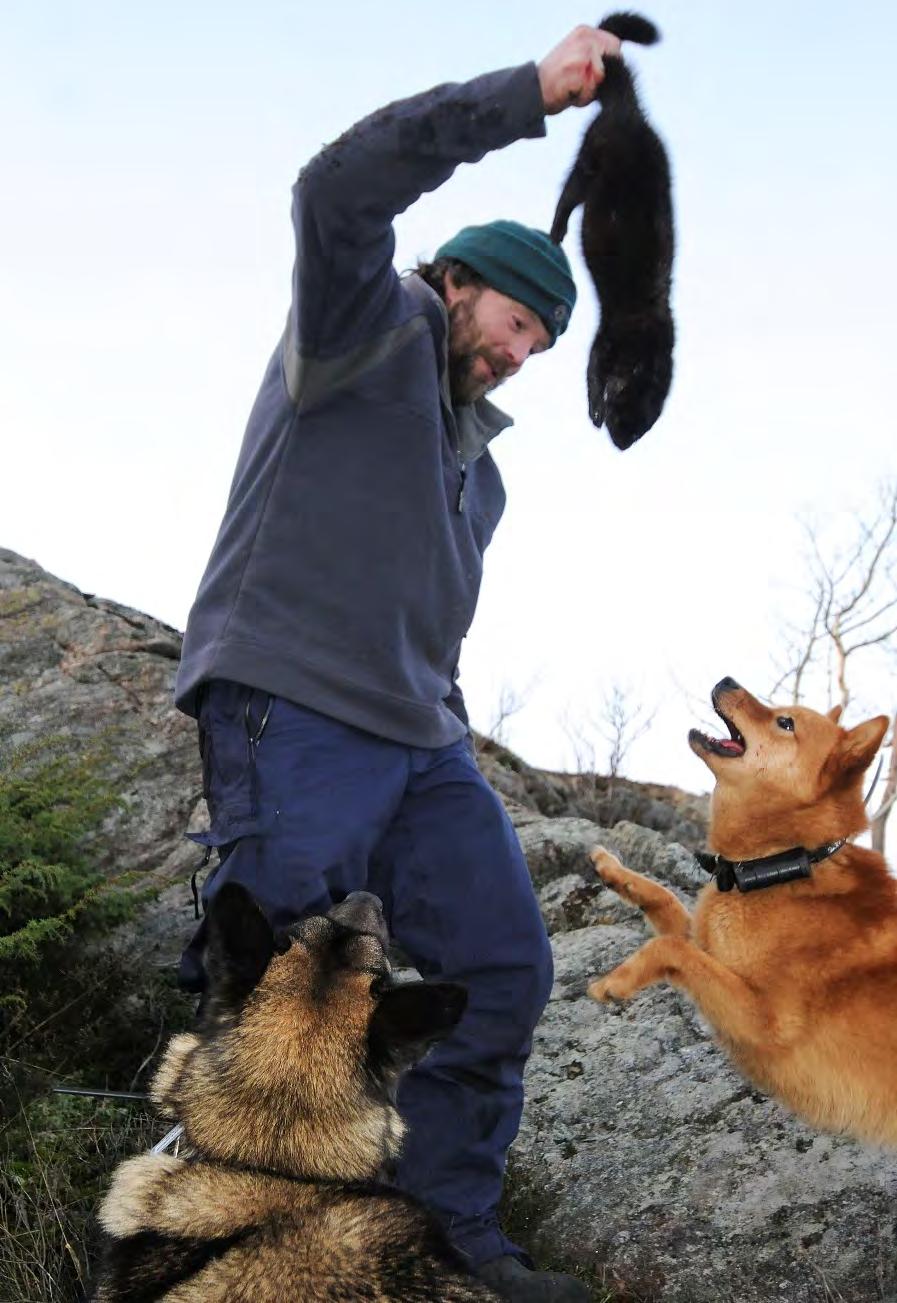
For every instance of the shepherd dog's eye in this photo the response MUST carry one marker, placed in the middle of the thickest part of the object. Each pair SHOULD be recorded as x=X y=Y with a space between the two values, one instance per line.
x=379 y=985
x=786 y=722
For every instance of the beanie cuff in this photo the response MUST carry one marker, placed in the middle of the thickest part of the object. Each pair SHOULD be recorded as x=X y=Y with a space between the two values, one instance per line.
x=521 y=262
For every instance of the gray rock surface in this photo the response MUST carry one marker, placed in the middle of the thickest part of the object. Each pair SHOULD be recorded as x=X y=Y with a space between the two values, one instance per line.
x=642 y=1156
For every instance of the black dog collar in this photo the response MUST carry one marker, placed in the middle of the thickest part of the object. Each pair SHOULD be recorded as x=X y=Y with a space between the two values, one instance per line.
x=751 y=875
x=769 y=871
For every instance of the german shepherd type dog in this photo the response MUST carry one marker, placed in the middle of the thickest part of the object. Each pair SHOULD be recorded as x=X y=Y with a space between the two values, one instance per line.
x=799 y=981
x=286 y=1094
x=622 y=177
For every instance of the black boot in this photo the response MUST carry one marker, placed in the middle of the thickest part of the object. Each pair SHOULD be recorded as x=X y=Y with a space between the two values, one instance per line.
x=511 y=1280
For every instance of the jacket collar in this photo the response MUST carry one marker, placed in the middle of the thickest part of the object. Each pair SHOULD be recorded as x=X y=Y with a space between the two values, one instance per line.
x=477 y=423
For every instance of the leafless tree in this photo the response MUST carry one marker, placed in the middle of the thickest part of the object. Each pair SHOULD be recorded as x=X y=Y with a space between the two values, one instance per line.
x=620 y=722
x=850 y=612
x=580 y=731
x=511 y=700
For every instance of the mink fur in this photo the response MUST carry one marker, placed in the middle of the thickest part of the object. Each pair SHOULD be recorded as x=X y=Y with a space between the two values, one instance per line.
x=622 y=178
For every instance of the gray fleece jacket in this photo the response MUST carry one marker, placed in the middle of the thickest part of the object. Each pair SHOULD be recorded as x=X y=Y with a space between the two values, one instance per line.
x=347 y=567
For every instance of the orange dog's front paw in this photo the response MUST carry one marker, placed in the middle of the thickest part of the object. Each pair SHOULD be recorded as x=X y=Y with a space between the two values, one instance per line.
x=598 y=990
x=611 y=872
x=656 y=961
x=607 y=866
x=612 y=986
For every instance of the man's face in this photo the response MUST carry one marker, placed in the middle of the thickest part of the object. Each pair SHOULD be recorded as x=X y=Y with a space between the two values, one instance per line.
x=490 y=338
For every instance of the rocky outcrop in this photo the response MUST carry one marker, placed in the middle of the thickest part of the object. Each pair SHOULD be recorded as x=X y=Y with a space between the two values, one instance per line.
x=606 y=801
x=97 y=674
x=642 y=1156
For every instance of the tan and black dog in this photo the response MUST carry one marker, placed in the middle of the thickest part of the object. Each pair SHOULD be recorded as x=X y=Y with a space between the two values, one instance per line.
x=799 y=979
x=286 y=1095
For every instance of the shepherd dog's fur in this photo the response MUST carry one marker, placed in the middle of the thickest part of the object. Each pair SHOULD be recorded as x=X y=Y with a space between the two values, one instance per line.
x=799 y=980
x=622 y=178
x=286 y=1094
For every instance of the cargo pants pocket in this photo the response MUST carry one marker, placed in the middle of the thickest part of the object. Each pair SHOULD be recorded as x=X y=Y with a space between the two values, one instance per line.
x=232 y=721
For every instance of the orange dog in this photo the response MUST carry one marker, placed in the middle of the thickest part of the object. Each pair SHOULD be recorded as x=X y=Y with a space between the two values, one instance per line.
x=799 y=981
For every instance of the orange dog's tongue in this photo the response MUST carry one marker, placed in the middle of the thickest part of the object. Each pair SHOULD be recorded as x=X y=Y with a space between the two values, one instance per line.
x=729 y=744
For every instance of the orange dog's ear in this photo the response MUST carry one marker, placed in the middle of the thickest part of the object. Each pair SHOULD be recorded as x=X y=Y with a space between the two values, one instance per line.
x=860 y=744
x=835 y=713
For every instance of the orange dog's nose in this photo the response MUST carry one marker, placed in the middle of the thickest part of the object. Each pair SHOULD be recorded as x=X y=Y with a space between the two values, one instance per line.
x=726 y=685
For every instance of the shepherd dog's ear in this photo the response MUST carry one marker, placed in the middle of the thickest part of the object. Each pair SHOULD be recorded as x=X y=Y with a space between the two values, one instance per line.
x=859 y=746
x=239 y=948
x=411 y=1017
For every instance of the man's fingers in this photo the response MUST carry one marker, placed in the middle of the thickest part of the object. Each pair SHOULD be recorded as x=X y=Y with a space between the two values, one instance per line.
x=594 y=76
x=581 y=96
x=609 y=44
x=573 y=71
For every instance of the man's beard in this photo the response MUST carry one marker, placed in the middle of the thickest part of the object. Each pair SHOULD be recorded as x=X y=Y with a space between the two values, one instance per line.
x=465 y=346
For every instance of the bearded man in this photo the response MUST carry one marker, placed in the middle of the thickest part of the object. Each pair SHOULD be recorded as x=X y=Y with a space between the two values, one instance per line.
x=321 y=654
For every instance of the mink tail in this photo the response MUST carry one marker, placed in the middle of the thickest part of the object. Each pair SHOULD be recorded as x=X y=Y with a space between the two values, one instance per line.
x=618 y=85
x=631 y=27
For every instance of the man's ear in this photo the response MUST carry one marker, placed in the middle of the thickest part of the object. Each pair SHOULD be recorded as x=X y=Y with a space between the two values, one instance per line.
x=411 y=1017
x=239 y=948
x=859 y=745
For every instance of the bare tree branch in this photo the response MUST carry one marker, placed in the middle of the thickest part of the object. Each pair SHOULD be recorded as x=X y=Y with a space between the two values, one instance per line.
x=849 y=629
x=510 y=702
x=620 y=722
x=848 y=613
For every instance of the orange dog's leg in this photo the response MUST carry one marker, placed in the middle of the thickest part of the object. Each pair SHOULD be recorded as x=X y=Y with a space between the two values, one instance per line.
x=725 y=1000
x=664 y=911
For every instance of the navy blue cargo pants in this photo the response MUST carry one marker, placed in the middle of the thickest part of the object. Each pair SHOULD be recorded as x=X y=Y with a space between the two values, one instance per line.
x=304 y=810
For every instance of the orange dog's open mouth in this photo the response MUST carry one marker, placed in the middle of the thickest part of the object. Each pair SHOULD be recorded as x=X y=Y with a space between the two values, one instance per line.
x=733 y=745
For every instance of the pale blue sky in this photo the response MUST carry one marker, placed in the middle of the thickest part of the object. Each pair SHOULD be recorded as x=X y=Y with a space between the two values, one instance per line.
x=147 y=159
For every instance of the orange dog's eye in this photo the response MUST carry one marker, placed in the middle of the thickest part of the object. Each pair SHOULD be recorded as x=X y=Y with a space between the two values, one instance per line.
x=786 y=722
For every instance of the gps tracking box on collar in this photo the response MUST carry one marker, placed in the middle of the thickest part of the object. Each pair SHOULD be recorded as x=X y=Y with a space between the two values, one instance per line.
x=768 y=871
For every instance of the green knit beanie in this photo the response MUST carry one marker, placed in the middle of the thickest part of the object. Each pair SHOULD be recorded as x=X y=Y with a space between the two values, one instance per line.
x=521 y=262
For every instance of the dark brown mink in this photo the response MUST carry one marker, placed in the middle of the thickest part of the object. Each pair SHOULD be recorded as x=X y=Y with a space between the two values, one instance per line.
x=622 y=178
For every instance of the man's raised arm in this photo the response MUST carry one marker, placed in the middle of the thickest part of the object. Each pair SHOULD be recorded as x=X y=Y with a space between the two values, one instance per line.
x=346 y=198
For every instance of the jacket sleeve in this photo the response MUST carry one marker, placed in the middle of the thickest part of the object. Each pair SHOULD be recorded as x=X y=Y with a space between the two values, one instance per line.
x=344 y=202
